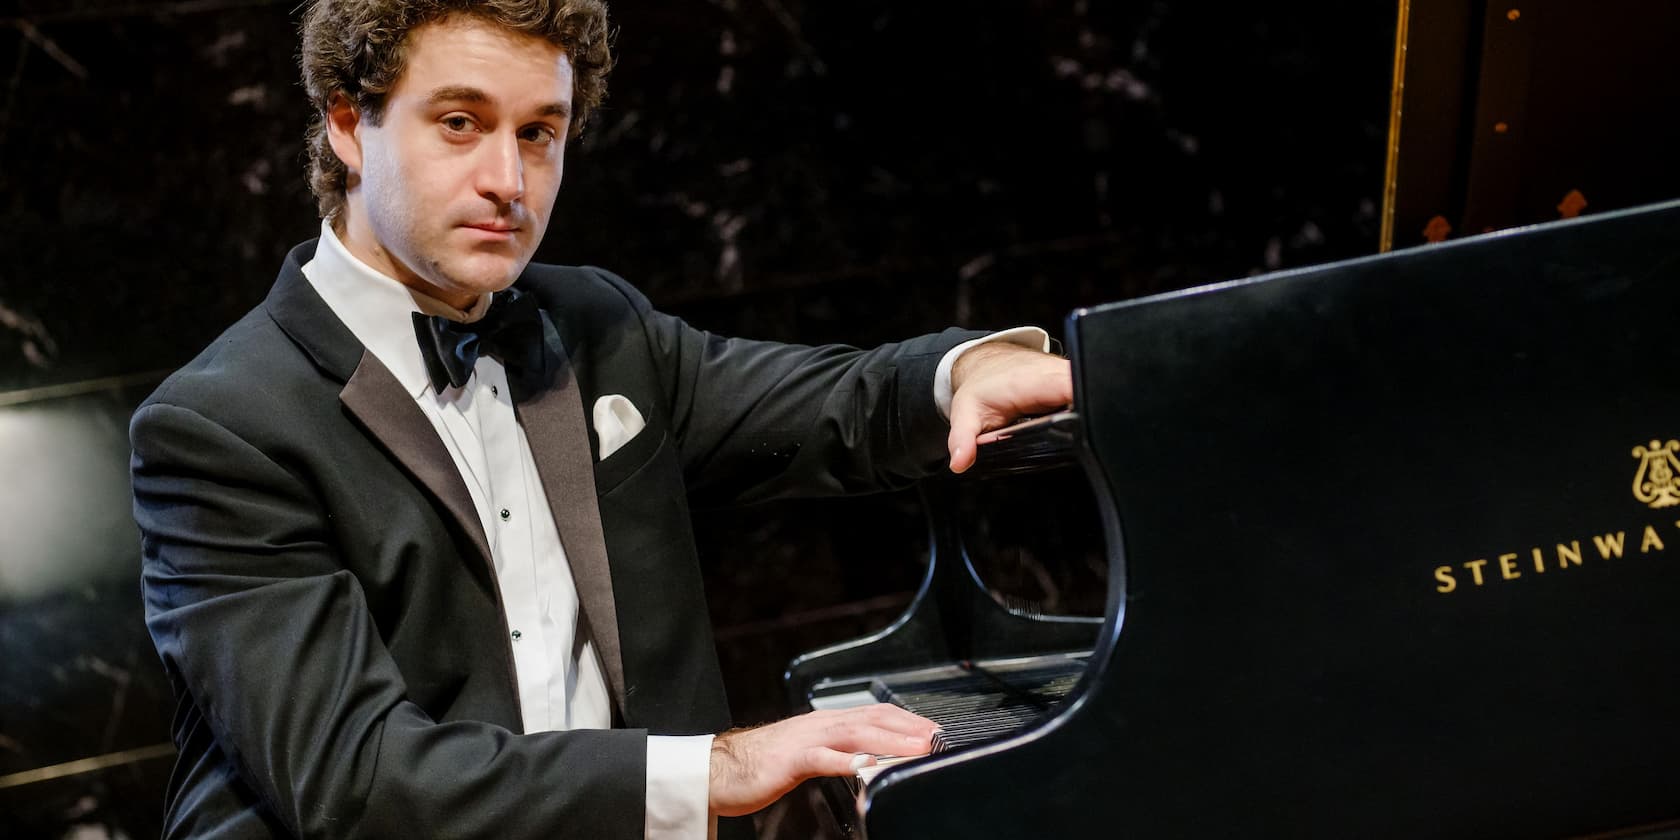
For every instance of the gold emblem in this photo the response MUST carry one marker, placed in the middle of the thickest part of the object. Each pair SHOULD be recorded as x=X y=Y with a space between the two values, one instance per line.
x=1658 y=481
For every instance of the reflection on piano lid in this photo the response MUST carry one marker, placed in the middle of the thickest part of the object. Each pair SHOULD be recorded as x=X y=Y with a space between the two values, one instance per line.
x=1375 y=568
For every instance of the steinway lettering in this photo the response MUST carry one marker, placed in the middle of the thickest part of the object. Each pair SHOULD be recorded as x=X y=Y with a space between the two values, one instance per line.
x=1539 y=560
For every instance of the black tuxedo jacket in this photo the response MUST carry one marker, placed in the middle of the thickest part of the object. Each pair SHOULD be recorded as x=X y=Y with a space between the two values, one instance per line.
x=320 y=590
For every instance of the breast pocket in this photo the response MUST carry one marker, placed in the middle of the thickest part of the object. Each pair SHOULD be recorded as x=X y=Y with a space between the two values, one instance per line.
x=632 y=456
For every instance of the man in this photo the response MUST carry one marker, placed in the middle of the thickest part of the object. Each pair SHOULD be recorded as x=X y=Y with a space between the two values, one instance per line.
x=416 y=549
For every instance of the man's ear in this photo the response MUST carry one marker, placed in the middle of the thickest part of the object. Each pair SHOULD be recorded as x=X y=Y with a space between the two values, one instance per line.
x=344 y=131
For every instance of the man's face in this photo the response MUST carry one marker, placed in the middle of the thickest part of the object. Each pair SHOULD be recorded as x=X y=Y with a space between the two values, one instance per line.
x=458 y=180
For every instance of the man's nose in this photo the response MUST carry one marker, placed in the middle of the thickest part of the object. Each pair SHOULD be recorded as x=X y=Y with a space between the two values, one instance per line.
x=501 y=171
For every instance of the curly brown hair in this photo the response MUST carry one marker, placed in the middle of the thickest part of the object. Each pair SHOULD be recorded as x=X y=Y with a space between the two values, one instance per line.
x=358 y=48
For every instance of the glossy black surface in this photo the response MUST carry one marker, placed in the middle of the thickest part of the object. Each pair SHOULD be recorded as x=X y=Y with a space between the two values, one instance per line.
x=1287 y=465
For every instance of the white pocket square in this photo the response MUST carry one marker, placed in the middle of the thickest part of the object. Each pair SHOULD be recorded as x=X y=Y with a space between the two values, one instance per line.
x=616 y=422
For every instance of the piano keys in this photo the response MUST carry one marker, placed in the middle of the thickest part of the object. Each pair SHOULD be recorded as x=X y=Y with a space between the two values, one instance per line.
x=973 y=702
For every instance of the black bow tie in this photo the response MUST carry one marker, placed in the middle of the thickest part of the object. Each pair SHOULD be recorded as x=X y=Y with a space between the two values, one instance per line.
x=511 y=330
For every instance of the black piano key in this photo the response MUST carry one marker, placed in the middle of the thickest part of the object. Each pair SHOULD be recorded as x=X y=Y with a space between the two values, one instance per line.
x=974 y=704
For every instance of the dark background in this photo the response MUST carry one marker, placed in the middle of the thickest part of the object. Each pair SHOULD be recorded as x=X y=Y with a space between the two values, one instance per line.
x=774 y=168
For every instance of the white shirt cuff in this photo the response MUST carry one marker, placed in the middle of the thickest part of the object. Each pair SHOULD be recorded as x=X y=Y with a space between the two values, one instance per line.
x=679 y=777
x=1030 y=337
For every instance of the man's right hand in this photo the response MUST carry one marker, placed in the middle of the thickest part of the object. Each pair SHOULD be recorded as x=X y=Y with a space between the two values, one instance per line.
x=752 y=768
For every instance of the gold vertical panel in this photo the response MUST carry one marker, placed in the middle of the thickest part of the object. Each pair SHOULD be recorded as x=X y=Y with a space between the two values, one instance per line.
x=1391 y=173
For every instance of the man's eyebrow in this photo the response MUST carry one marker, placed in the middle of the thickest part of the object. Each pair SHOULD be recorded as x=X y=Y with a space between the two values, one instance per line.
x=462 y=93
x=458 y=93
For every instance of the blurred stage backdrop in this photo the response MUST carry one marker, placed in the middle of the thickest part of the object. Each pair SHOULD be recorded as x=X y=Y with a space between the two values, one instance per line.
x=780 y=169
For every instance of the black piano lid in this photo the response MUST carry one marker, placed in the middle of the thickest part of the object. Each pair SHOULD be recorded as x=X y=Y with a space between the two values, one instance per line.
x=1292 y=467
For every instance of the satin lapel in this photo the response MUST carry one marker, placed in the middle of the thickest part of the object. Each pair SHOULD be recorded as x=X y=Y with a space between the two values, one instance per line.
x=374 y=396
x=388 y=412
x=554 y=425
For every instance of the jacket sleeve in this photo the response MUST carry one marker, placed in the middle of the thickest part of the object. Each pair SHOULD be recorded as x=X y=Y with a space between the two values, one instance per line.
x=271 y=641
x=757 y=420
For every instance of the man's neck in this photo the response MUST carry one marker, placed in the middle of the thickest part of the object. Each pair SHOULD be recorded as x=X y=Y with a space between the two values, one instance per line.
x=359 y=240
x=425 y=296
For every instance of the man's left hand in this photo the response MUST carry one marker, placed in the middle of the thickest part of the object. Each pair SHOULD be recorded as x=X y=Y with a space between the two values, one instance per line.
x=993 y=385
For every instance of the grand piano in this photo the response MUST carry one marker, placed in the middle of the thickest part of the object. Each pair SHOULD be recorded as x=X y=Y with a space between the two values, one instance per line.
x=1393 y=550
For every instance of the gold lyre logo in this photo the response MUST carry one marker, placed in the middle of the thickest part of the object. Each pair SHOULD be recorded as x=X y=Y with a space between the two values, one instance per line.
x=1658 y=481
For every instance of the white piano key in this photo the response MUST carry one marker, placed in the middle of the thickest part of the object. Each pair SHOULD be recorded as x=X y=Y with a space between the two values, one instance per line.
x=882 y=762
x=844 y=700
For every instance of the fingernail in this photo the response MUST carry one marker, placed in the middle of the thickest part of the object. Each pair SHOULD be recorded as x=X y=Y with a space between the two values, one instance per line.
x=860 y=761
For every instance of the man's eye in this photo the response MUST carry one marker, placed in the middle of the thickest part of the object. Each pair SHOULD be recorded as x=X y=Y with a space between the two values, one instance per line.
x=457 y=123
x=538 y=134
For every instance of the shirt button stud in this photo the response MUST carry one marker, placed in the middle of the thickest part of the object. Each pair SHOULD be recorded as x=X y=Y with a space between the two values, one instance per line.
x=494 y=391
x=516 y=634
x=506 y=515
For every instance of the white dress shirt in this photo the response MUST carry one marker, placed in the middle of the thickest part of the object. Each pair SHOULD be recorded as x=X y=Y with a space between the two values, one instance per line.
x=559 y=674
